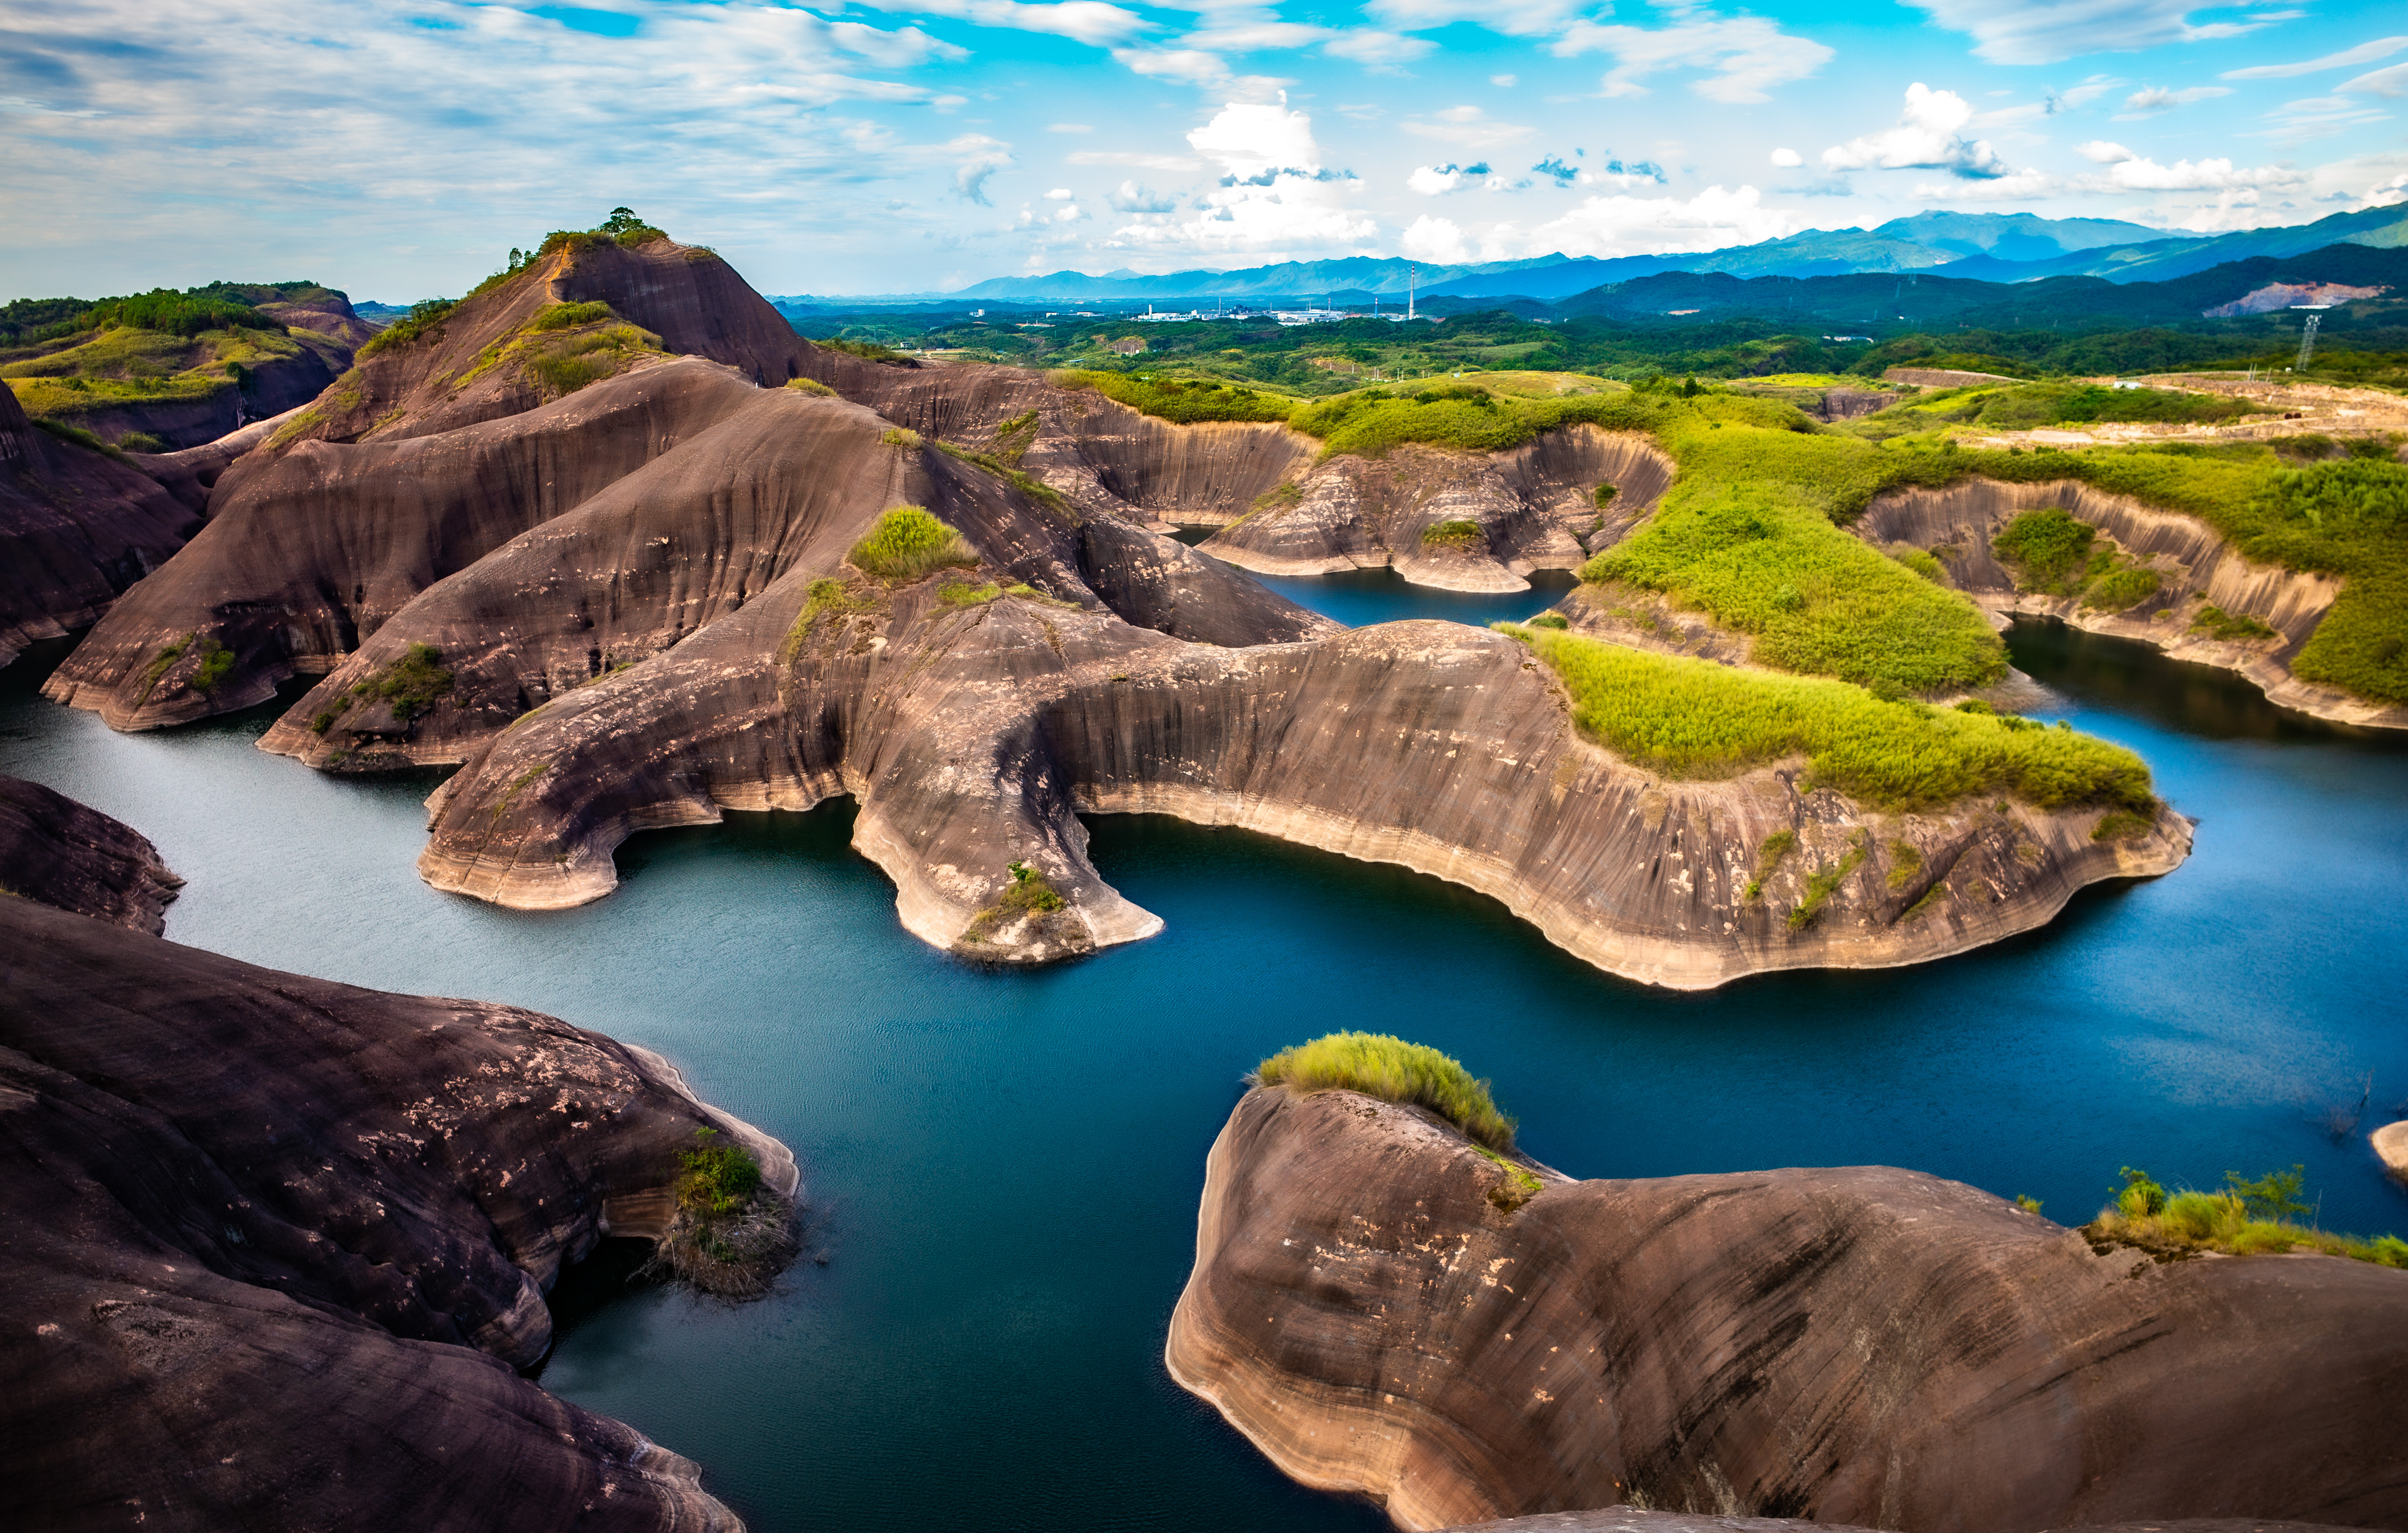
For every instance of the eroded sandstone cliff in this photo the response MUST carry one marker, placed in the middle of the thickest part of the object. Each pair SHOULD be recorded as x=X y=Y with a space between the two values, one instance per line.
x=278 y=1246
x=2195 y=567
x=62 y=854
x=1863 y=1346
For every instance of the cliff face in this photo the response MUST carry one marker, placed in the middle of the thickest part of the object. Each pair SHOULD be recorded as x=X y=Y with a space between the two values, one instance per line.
x=77 y=527
x=56 y=851
x=2195 y=567
x=1532 y=509
x=278 y=1245
x=1862 y=1346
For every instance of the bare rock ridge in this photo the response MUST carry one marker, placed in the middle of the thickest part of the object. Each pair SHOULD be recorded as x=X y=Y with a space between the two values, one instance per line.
x=77 y=527
x=1624 y=1519
x=2195 y=567
x=279 y=1246
x=56 y=851
x=1527 y=509
x=1861 y=1346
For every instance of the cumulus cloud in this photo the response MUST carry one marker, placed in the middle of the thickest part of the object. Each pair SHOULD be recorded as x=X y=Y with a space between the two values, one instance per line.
x=1088 y=22
x=2014 y=186
x=2050 y=31
x=1378 y=50
x=1436 y=180
x=1467 y=127
x=1436 y=239
x=2081 y=95
x=1787 y=159
x=1626 y=225
x=1511 y=17
x=1275 y=193
x=1129 y=197
x=980 y=158
x=1744 y=57
x=1505 y=82
x=2128 y=171
x=1925 y=138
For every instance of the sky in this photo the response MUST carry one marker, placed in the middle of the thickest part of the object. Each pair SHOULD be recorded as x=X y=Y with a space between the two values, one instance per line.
x=398 y=151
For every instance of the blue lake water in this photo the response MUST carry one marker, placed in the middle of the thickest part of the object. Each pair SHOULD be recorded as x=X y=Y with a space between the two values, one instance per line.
x=1003 y=1168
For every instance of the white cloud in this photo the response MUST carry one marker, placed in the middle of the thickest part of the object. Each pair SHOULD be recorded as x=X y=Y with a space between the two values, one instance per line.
x=2130 y=172
x=1745 y=56
x=2381 y=47
x=2320 y=117
x=1467 y=128
x=2383 y=82
x=1511 y=17
x=2048 y=31
x=2015 y=186
x=1060 y=193
x=1504 y=82
x=2082 y=94
x=980 y=158
x=1378 y=50
x=1436 y=180
x=1088 y=22
x=2151 y=100
x=1252 y=36
x=1129 y=197
x=1925 y=138
x=1622 y=225
x=1070 y=127
x=1787 y=159
x=1276 y=195
x=1436 y=240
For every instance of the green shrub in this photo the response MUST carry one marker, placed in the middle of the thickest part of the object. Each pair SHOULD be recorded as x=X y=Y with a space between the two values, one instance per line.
x=1279 y=497
x=1551 y=620
x=719 y=1179
x=2216 y=622
x=1183 y=401
x=2028 y=1203
x=216 y=660
x=1906 y=860
x=1823 y=885
x=1696 y=719
x=562 y=316
x=1923 y=562
x=867 y=350
x=2122 y=824
x=2121 y=590
x=2245 y=1218
x=422 y=319
x=1387 y=1068
x=810 y=386
x=1004 y=468
x=961 y=594
x=908 y=544
x=140 y=441
x=1029 y=895
x=410 y=683
x=2045 y=549
x=1458 y=534
x=1605 y=493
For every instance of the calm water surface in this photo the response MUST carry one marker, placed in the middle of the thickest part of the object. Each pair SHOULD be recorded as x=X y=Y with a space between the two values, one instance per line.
x=1003 y=1168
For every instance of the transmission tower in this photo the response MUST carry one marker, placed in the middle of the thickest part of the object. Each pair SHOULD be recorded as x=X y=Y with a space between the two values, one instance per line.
x=2307 y=344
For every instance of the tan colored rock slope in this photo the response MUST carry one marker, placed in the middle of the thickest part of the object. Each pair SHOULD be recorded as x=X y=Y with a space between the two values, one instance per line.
x=2195 y=567
x=1862 y=1346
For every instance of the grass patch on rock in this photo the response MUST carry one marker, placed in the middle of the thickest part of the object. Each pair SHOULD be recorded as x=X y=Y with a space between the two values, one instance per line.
x=730 y=1232
x=1460 y=534
x=1030 y=895
x=2243 y=1217
x=906 y=543
x=1696 y=719
x=1388 y=1067
x=1183 y=401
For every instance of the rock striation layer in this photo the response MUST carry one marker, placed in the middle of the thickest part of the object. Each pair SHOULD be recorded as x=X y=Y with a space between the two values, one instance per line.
x=278 y=1247
x=1863 y=1346
x=56 y=851
x=1534 y=508
x=77 y=527
x=2195 y=567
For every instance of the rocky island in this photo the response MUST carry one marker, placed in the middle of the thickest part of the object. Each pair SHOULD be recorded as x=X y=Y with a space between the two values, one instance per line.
x=1389 y=1299
x=279 y=1247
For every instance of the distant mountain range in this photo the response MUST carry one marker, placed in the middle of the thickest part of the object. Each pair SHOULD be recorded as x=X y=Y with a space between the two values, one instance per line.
x=1991 y=247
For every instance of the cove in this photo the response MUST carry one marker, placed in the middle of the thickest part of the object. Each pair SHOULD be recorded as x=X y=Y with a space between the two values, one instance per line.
x=1002 y=1169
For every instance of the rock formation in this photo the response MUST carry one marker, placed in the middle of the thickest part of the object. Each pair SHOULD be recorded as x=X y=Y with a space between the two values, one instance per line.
x=1863 y=1346
x=77 y=527
x=2391 y=1147
x=56 y=851
x=1623 y=1519
x=278 y=1246
x=1455 y=521
x=631 y=607
x=2195 y=568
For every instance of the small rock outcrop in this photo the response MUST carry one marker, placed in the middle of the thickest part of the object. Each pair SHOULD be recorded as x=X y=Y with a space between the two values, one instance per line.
x=1454 y=520
x=56 y=851
x=77 y=527
x=278 y=1247
x=2195 y=567
x=1863 y=1346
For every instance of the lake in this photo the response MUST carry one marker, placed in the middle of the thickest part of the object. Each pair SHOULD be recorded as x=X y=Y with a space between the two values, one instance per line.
x=1002 y=1167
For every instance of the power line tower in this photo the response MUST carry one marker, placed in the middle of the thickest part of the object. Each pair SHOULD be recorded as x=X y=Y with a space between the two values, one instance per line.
x=2307 y=344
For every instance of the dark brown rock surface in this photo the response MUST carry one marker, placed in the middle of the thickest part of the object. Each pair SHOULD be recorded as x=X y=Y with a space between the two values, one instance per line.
x=274 y=1246
x=1863 y=1345
x=77 y=527
x=56 y=851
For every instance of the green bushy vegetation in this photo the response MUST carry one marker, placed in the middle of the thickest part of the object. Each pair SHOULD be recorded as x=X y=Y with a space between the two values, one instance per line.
x=1463 y=417
x=411 y=684
x=2241 y=1218
x=958 y=594
x=1458 y=534
x=2056 y=555
x=422 y=319
x=1390 y=1068
x=810 y=386
x=2216 y=622
x=1184 y=401
x=1005 y=465
x=1695 y=719
x=562 y=316
x=906 y=544
x=1825 y=882
x=2029 y=406
x=867 y=350
x=1030 y=893
x=718 y=1178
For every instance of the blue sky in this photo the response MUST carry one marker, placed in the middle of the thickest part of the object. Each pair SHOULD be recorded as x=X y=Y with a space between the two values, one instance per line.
x=400 y=150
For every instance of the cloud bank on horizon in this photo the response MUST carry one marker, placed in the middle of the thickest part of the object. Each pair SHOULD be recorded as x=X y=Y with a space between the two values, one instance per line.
x=396 y=148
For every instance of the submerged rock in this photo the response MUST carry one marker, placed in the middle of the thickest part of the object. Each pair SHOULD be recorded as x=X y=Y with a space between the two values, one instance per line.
x=1860 y=1345
x=56 y=851
x=278 y=1246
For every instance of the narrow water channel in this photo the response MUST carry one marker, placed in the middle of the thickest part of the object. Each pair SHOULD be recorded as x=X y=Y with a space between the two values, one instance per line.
x=1003 y=1168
